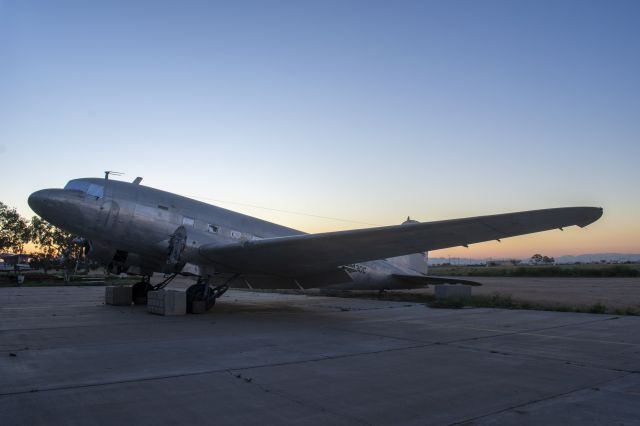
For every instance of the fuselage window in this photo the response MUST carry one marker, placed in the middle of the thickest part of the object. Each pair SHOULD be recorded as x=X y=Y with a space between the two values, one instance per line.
x=212 y=228
x=187 y=221
x=161 y=207
x=236 y=234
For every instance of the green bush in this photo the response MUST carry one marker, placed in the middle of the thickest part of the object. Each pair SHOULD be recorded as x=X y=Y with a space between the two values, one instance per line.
x=494 y=301
x=453 y=303
x=598 y=308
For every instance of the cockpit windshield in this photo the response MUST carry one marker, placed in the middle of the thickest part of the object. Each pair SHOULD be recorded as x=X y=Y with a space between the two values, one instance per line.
x=87 y=187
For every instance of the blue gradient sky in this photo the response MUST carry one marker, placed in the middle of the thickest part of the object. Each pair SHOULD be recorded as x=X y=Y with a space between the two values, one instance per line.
x=369 y=111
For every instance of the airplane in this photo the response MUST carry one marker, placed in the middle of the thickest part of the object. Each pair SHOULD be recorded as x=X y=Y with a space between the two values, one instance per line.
x=140 y=230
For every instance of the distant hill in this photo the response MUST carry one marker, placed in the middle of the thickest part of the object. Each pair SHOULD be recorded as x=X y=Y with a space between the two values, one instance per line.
x=582 y=258
x=597 y=257
x=456 y=261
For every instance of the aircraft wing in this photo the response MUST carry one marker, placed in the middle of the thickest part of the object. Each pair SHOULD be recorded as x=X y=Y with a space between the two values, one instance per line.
x=310 y=254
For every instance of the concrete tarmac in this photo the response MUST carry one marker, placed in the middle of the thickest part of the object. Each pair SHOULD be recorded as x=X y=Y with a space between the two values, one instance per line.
x=258 y=358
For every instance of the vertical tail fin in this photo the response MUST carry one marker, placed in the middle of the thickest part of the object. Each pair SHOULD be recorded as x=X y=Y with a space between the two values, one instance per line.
x=417 y=262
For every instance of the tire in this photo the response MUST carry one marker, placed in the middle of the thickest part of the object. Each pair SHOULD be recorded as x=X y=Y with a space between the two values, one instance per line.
x=139 y=293
x=196 y=292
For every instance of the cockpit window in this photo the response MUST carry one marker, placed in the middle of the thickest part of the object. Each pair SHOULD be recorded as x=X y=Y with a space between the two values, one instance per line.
x=78 y=185
x=87 y=187
x=96 y=190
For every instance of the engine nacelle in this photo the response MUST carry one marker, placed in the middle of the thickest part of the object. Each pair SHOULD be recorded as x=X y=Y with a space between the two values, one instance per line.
x=183 y=252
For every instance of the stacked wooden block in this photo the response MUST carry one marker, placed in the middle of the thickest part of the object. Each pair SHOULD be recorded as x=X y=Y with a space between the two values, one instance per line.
x=119 y=295
x=167 y=302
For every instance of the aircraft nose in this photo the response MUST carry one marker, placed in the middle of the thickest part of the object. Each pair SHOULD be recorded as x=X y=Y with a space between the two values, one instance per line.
x=38 y=200
x=56 y=206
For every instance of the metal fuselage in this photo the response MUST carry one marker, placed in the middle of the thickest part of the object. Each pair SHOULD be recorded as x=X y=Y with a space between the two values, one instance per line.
x=130 y=228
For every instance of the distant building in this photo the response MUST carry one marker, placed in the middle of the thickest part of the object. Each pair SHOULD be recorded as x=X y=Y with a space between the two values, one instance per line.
x=11 y=262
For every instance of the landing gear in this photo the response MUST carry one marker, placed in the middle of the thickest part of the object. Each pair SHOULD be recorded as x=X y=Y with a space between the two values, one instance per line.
x=196 y=299
x=201 y=297
x=139 y=291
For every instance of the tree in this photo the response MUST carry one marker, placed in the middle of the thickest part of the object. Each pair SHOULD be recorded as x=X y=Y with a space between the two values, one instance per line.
x=57 y=246
x=14 y=230
x=43 y=261
x=536 y=259
x=50 y=240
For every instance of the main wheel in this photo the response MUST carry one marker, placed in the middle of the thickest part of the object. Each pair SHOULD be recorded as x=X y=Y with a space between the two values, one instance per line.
x=196 y=293
x=139 y=292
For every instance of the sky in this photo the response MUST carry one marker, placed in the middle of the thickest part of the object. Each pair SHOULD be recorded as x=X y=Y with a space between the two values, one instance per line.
x=353 y=113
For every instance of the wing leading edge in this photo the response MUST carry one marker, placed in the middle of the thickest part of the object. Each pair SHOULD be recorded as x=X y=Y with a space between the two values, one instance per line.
x=310 y=254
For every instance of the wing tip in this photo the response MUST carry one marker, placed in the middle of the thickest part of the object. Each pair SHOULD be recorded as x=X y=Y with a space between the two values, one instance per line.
x=591 y=214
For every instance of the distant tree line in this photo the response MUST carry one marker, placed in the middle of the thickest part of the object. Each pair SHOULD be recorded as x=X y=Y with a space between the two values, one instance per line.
x=538 y=259
x=55 y=247
x=15 y=231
